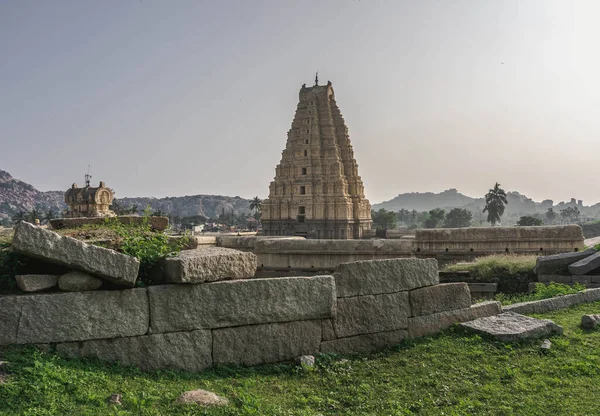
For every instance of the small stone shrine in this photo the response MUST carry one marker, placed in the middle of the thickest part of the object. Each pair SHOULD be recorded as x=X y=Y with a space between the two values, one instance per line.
x=89 y=201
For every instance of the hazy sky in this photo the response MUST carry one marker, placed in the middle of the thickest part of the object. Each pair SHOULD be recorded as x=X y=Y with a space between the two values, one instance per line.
x=187 y=97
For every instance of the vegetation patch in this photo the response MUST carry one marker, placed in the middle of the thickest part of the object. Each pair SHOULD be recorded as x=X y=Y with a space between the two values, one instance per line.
x=542 y=291
x=512 y=272
x=453 y=373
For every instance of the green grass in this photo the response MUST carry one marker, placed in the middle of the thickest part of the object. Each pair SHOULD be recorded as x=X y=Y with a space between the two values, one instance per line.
x=542 y=291
x=453 y=373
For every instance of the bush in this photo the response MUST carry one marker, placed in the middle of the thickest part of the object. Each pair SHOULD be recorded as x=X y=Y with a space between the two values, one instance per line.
x=512 y=272
x=528 y=220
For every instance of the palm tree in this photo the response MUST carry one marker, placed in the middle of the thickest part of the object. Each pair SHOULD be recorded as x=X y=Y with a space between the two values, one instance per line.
x=256 y=204
x=495 y=200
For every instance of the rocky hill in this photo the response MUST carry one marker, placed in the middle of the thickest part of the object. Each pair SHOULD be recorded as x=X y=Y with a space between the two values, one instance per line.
x=16 y=195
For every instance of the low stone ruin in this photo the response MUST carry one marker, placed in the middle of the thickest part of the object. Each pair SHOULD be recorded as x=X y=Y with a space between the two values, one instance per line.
x=513 y=327
x=570 y=268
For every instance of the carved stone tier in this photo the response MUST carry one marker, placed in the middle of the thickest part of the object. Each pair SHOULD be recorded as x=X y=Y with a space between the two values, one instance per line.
x=317 y=191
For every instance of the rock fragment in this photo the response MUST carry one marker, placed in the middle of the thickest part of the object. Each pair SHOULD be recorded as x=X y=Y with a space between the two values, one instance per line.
x=202 y=398
x=78 y=282
x=36 y=282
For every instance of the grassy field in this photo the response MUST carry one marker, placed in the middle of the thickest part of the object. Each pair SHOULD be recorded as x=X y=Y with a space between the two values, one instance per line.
x=454 y=373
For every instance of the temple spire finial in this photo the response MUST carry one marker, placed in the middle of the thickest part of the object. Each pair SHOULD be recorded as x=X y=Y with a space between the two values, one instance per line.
x=317 y=78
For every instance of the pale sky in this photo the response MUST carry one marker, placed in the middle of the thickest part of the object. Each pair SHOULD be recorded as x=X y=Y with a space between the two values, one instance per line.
x=171 y=98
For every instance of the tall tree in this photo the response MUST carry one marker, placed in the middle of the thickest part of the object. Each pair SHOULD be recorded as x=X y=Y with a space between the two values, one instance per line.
x=384 y=219
x=19 y=216
x=495 y=201
x=550 y=215
x=458 y=218
x=50 y=215
x=436 y=216
x=256 y=204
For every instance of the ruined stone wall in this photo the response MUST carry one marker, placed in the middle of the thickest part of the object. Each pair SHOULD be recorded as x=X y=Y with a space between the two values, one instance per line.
x=362 y=307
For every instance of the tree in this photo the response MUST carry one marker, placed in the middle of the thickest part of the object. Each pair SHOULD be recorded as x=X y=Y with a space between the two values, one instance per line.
x=255 y=204
x=133 y=209
x=570 y=213
x=495 y=201
x=19 y=216
x=458 y=218
x=436 y=216
x=550 y=215
x=528 y=220
x=35 y=214
x=50 y=215
x=384 y=219
x=404 y=216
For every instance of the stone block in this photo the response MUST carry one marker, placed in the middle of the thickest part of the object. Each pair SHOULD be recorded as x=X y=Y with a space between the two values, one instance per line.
x=241 y=302
x=188 y=351
x=543 y=278
x=590 y=321
x=36 y=282
x=40 y=243
x=75 y=316
x=327 y=329
x=552 y=304
x=430 y=324
x=78 y=282
x=371 y=313
x=374 y=277
x=364 y=343
x=267 y=343
x=483 y=287
x=595 y=279
x=559 y=262
x=209 y=264
x=513 y=327
x=584 y=280
x=439 y=298
x=585 y=265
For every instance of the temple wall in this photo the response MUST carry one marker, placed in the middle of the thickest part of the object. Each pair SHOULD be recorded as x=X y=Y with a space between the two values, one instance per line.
x=364 y=306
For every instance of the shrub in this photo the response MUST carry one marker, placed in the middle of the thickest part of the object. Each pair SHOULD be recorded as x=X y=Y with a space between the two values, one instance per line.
x=512 y=272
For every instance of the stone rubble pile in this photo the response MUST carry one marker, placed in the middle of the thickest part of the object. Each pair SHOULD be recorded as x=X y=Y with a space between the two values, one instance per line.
x=569 y=268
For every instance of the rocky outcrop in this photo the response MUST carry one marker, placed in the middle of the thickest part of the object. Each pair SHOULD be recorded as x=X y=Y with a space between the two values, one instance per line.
x=47 y=245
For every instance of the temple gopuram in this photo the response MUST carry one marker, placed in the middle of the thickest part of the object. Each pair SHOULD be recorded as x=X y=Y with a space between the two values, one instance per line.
x=317 y=192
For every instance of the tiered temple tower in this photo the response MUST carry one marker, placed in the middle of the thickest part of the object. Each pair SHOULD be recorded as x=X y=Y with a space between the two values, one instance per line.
x=317 y=191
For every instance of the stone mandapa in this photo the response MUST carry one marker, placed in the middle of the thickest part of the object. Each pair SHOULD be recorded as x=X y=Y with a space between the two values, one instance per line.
x=364 y=343
x=75 y=316
x=267 y=343
x=36 y=282
x=421 y=326
x=374 y=277
x=371 y=313
x=78 y=282
x=189 y=351
x=585 y=265
x=241 y=302
x=209 y=264
x=439 y=298
x=513 y=327
x=40 y=243
x=559 y=262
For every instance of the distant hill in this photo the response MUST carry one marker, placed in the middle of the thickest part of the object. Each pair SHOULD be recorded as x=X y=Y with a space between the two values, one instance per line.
x=16 y=195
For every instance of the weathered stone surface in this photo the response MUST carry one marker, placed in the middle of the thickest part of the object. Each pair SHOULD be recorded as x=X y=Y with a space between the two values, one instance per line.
x=364 y=343
x=327 y=329
x=44 y=244
x=209 y=264
x=374 y=277
x=36 y=282
x=76 y=316
x=590 y=321
x=585 y=265
x=241 y=302
x=430 y=324
x=512 y=327
x=189 y=351
x=371 y=313
x=556 y=262
x=267 y=343
x=552 y=304
x=439 y=298
x=202 y=398
x=78 y=282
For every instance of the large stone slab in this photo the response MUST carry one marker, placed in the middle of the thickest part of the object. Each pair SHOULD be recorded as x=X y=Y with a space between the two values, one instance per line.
x=189 y=351
x=75 y=316
x=430 y=324
x=76 y=281
x=552 y=304
x=439 y=298
x=559 y=262
x=585 y=265
x=268 y=343
x=374 y=277
x=209 y=264
x=47 y=245
x=364 y=343
x=241 y=302
x=513 y=327
x=36 y=282
x=371 y=313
